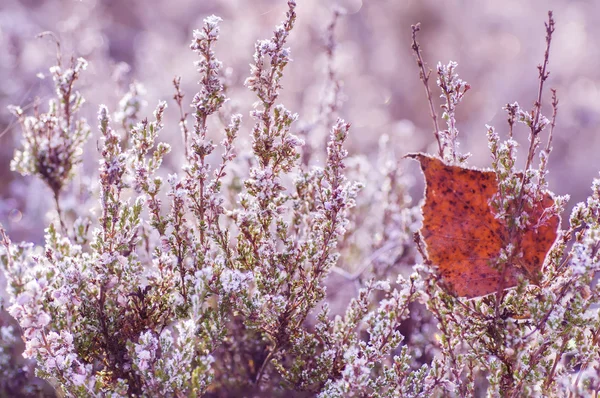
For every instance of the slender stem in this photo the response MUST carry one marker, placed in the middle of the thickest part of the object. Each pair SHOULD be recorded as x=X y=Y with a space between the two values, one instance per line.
x=558 y=358
x=537 y=107
x=5 y=240
x=59 y=211
x=178 y=97
x=424 y=75
x=553 y=122
x=535 y=127
x=264 y=365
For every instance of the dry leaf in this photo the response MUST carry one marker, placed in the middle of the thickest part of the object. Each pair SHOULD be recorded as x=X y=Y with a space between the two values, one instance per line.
x=464 y=238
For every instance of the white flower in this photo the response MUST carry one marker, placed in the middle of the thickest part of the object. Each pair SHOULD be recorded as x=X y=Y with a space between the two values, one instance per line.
x=144 y=354
x=234 y=280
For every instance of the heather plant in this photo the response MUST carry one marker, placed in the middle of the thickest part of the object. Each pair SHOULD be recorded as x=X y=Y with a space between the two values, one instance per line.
x=52 y=141
x=532 y=340
x=212 y=279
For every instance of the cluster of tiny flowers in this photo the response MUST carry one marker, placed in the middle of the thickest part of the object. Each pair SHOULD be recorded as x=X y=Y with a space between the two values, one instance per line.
x=52 y=141
x=210 y=97
x=585 y=258
x=504 y=157
x=33 y=305
x=358 y=357
x=266 y=81
x=15 y=371
x=130 y=106
x=519 y=191
x=453 y=90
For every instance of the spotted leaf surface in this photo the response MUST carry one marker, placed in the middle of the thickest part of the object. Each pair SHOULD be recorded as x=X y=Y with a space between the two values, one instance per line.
x=464 y=238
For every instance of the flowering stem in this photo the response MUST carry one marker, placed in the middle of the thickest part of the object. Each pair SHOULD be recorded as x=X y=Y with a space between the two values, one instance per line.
x=535 y=128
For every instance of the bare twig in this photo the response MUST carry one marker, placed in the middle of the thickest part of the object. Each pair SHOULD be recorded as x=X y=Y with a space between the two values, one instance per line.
x=56 y=41
x=512 y=117
x=178 y=97
x=537 y=106
x=424 y=75
x=553 y=121
x=535 y=127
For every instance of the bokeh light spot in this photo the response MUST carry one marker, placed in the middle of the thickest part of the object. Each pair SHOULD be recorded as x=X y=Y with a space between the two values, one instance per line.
x=15 y=216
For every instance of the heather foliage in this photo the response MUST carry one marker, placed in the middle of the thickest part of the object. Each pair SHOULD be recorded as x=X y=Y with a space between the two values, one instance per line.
x=212 y=279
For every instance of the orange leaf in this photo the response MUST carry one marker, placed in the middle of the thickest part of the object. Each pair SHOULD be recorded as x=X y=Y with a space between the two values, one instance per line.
x=464 y=238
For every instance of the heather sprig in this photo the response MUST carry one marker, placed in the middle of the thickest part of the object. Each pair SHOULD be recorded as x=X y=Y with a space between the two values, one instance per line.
x=52 y=141
x=521 y=339
x=333 y=88
x=210 y=97
x=130 y=106
x=453 y=90
x=353 y=358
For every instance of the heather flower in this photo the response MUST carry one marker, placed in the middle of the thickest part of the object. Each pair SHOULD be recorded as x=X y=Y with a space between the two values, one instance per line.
x=52 y=142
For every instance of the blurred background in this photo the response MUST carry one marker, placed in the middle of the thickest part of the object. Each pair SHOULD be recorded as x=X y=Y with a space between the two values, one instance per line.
x=497 y=45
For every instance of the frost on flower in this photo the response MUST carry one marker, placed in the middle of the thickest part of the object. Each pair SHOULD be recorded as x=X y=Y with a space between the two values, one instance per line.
x=234 y=280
